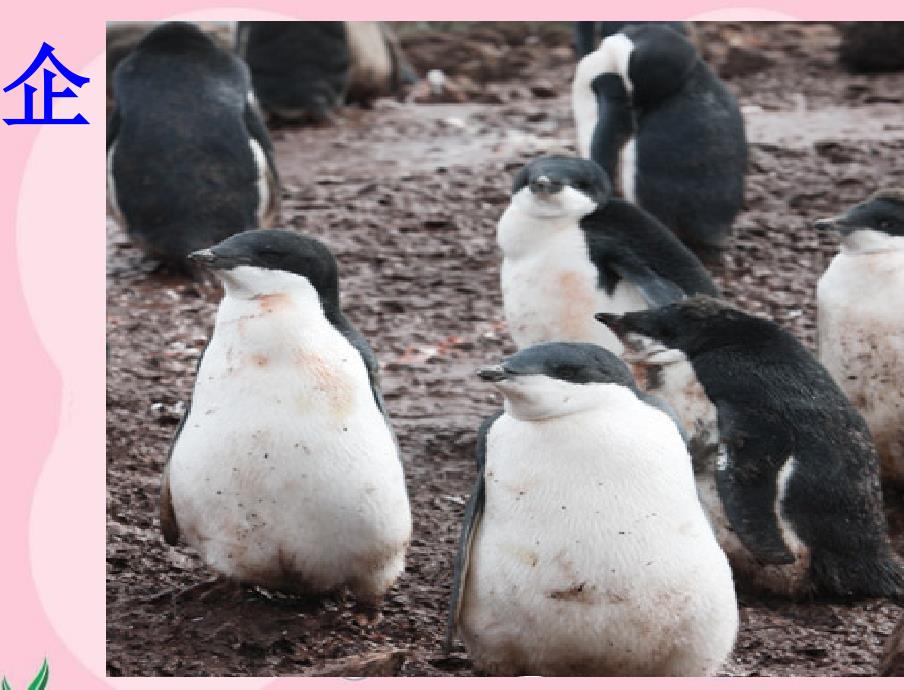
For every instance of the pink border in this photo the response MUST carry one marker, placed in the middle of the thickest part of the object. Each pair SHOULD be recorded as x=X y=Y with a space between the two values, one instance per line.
x=52 y=287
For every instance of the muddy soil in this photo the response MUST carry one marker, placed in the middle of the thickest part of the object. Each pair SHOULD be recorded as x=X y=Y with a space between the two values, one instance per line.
x=408 y=195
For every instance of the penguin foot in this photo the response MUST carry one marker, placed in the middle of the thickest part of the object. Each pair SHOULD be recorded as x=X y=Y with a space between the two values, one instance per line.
x=368 y=615
x=206 y=591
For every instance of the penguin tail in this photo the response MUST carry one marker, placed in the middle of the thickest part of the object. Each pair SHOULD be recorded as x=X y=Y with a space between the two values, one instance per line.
x=865 y=576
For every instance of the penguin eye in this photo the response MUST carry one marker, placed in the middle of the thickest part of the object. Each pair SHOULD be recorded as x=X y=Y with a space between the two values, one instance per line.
x=568 y=372
x=886 y=225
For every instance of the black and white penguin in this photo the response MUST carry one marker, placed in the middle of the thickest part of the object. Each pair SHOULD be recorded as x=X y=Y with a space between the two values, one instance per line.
x=189 y=159
x=861 y=319
x=793 y=488
x=667 y=131
x=587 y=33
x=570 y=249
x=584 y=549
x=304 y=70
x=285 y=472
x=121 y=37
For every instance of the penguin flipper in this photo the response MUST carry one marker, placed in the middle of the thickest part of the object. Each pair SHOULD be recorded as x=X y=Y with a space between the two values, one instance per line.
x=746 y=475
x=112 y=125
x=616 y=123
x=584 y=38
x=256 y=129
x=471 y=516
x=358 y=342
x=168 y=523
x=370 y=363
x=657 y=291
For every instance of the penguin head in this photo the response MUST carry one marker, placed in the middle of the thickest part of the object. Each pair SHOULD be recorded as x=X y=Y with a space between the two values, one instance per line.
x=876 y=224
x=556 y=379
x=695 y=325
x=176 y=36
x=560 y=187
x=652 y=59
x=265 y=262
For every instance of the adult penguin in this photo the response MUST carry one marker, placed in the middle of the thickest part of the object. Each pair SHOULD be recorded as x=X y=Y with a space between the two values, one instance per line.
x=667 y=131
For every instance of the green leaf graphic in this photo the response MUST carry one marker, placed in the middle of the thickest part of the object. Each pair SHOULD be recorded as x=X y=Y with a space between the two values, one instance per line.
x=41 y=680
x=4 y=685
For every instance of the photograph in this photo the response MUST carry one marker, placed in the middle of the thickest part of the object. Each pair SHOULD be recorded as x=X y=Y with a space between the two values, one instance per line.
x=510 y=342
x=504 y=348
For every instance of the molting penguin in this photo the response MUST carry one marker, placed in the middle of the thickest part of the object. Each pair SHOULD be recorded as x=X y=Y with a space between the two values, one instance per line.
x=304 y=70
x=666 y=130
x=584 y=549
x=189 y=158
x=586 y=33
x=861 y=319
x=793 y=492
x=285 y=472
x=570 y=250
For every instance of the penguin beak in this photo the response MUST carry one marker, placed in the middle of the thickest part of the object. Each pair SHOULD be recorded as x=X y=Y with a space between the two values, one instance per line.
x=615 y=322
x=838 y=223
x=203 y=256
x=543 y=186
x=214 y=260
x=493 y=373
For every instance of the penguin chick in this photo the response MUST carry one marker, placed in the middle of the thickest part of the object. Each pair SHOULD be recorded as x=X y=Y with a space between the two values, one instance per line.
x=284 y=472
x=570 y=249
x=861 y=319
x=584 y=549
x=794 y=494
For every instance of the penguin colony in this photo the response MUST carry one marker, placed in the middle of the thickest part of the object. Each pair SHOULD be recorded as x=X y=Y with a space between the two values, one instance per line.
x=657 y=447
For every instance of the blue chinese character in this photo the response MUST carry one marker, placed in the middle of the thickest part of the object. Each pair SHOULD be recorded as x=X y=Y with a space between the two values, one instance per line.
x=46 y=52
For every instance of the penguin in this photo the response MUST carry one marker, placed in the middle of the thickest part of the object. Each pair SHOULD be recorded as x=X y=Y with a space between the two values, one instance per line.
x=284 y=472
x=793 y=491
x=189 y=159
x=122 y=37
x=586 y=33
x=570 y=249
x=861 y=319
x=872 y=47
x=584 y=549
x=668 y=132
x=303 y=71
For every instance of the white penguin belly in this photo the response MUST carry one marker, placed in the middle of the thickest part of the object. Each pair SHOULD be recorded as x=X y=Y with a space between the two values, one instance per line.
x=593 y=556
x=629 y=166
x=552 y=292
x=861 y=344
x=285 y=473
x=791 y=580
x=112 y=195
x=264 y=211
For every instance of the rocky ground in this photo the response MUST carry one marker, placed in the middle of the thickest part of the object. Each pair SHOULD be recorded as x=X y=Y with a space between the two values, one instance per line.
x=407 y=195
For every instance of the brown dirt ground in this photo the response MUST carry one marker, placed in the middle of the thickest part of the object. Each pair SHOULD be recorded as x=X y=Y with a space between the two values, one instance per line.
x=408 y=195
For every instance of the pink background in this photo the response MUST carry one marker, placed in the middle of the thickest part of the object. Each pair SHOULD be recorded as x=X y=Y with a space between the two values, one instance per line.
x=52 y=293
